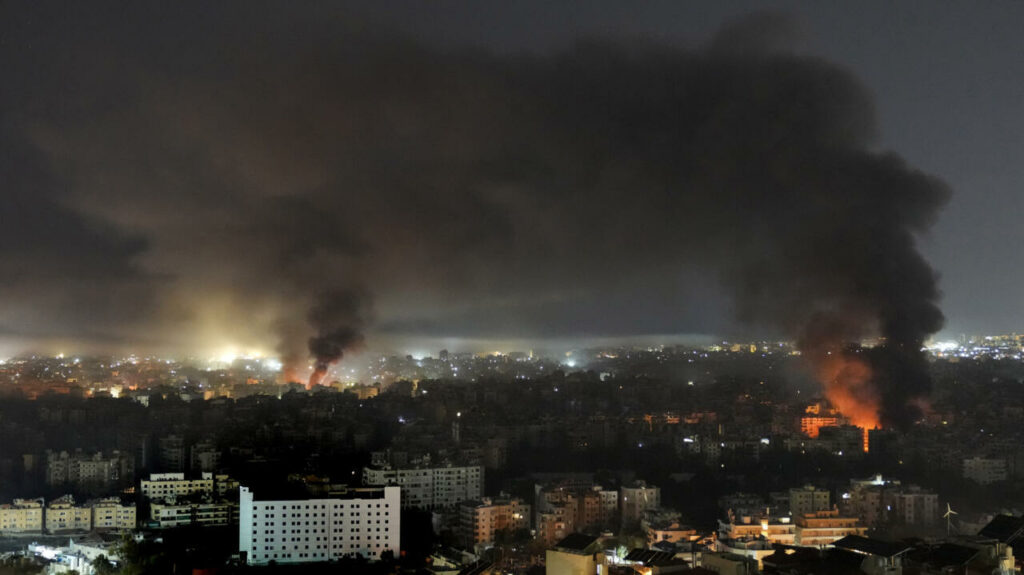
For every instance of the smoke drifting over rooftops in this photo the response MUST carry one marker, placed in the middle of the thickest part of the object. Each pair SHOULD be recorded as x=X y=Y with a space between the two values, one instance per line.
x=229 y=177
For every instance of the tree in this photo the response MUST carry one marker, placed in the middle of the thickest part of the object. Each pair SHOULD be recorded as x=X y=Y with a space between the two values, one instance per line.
x=103 y=566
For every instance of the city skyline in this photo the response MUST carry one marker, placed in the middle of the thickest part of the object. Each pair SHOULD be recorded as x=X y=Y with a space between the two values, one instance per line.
x=492 y=287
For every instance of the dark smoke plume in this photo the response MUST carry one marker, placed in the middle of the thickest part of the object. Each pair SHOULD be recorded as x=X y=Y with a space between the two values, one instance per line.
x=243 y=167
x=338 y=318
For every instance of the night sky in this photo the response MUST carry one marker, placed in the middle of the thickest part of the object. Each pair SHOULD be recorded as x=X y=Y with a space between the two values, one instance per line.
x=181 y=178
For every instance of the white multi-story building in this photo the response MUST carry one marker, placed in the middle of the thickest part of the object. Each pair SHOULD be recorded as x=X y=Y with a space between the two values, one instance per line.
x=363 y=522
x=164 y=485
x=430 y=487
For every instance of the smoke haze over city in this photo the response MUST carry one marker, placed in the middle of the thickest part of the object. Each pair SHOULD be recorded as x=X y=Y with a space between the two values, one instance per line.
x=541 y=287
x=591 y=190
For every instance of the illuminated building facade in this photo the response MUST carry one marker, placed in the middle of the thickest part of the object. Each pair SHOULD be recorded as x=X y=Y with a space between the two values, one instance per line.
x=362 y=523
x=63 y=515
x=824 y=527
x=23 y=516
x=163 y=485
x=109 y=513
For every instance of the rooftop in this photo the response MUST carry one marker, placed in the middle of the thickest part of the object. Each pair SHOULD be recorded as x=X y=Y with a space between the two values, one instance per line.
x=1005 y=528
x=651 y=558
x=575 y=542
x=871 y=546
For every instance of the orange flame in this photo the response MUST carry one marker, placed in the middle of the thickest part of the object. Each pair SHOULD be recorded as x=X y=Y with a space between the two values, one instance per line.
x=847 y=382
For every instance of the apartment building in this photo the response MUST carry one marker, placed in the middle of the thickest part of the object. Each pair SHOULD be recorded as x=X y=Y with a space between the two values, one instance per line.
x=430 y=487
x=293 y=529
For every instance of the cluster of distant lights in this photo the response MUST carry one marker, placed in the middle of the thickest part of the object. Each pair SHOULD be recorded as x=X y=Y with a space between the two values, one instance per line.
x=214 y=362
x=999 y=346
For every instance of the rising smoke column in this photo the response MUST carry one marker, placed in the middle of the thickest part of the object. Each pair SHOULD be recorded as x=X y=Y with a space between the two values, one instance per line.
x=247 y=171
x=339 y=319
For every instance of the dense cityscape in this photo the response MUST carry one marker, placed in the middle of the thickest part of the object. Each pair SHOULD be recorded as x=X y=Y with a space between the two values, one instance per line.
x=480 y=287
x=659 y=458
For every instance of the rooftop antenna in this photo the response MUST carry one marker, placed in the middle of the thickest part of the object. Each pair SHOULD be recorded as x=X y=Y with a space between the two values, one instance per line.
x=949 y=518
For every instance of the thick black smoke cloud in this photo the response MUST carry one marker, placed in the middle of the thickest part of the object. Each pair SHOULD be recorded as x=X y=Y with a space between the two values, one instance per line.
x=339 y=320
x=246 y=165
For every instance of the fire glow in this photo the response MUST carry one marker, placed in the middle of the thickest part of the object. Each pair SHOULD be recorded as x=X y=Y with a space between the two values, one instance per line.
x=847 y=383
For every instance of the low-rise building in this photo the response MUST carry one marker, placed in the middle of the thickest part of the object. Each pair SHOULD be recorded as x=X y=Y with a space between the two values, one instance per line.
x=756 y=549
x=824 y=527
x=480 y=521
x=164 y=485
x=63 y=515
x=22 y=516
x=109 y=514
x=171 y=512
x=666 y=526
x=576 y=554
x=729 y=563
x=774 y=529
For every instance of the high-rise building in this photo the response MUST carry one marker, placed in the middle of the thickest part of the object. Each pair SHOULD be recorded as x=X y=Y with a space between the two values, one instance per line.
x=430 y=487
x=575 y=554
x=286 y=529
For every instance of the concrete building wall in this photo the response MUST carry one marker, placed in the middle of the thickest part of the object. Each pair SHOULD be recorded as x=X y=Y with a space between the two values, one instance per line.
x=316 y=530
